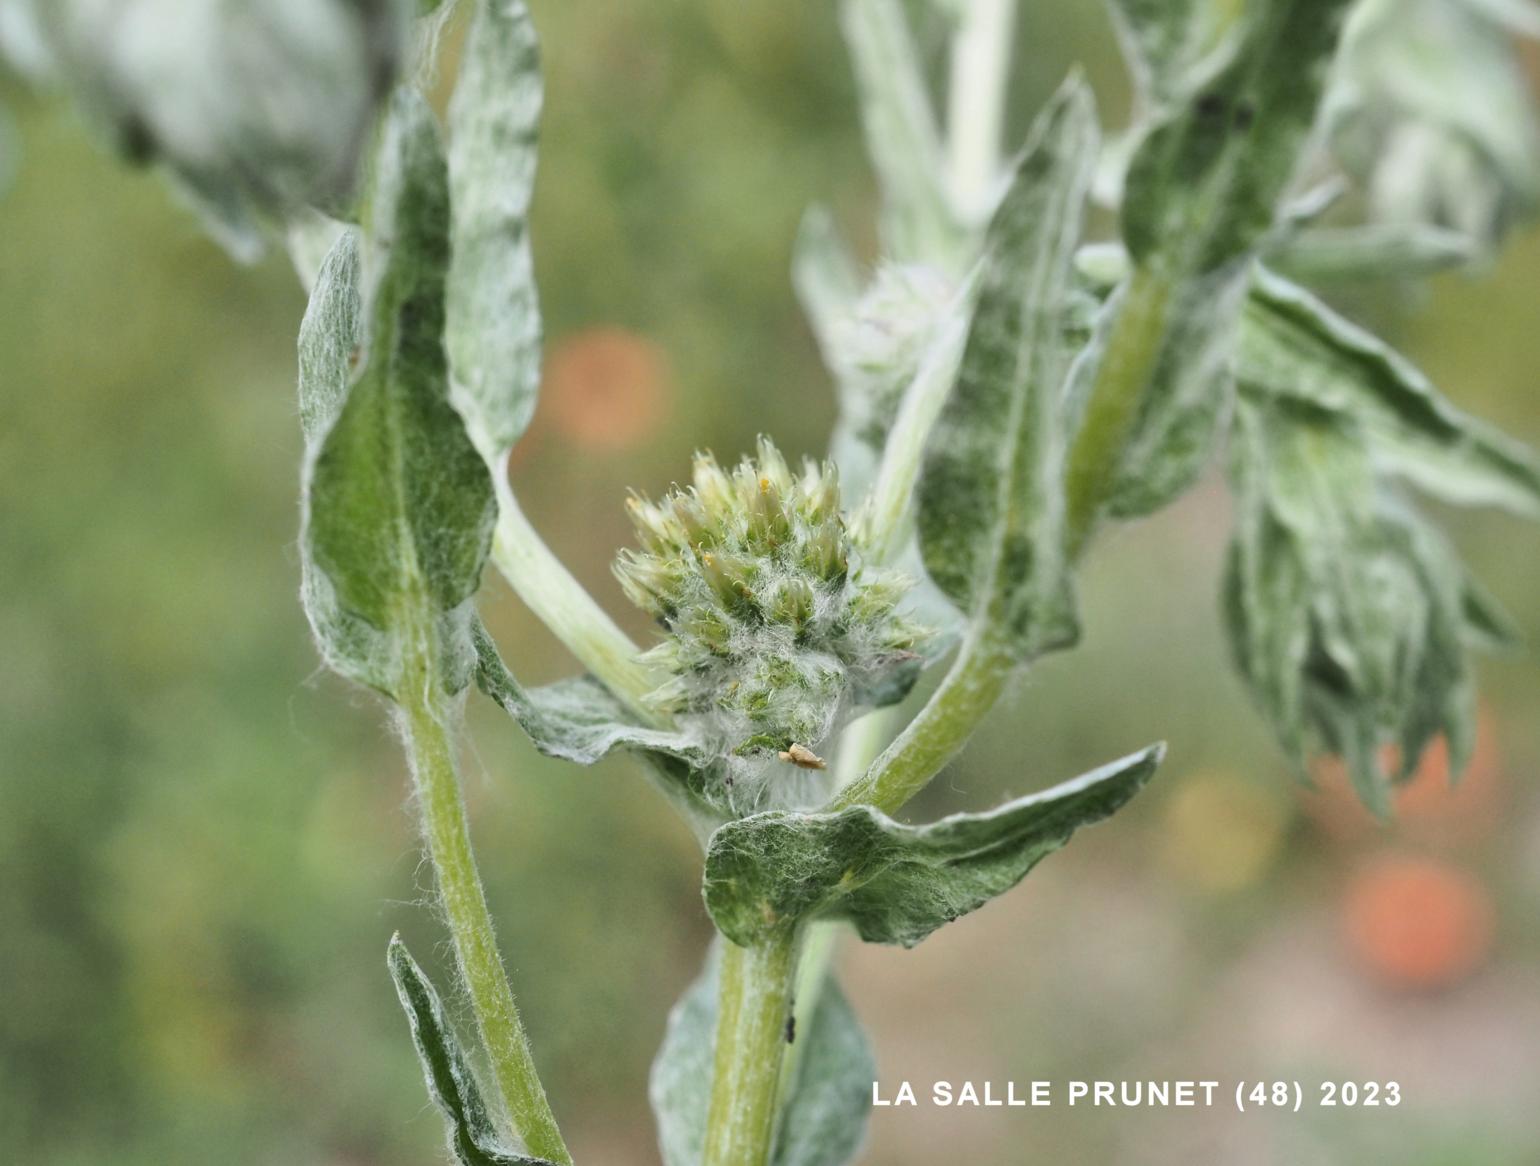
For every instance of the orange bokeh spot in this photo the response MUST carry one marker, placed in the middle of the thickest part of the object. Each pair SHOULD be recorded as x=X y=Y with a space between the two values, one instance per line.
x=1418 y=923
x=606 y=388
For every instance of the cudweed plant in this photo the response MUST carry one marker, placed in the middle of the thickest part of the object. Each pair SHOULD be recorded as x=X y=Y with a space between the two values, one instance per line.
x=1009 y=384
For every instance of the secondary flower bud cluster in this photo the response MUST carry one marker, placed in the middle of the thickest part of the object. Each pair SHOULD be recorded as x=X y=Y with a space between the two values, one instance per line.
x=776 y=630
x=885 y=338
x=1431 y=108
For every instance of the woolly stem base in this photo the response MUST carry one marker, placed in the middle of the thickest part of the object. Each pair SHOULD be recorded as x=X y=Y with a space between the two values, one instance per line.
x=430 y=745
x=753 y=1004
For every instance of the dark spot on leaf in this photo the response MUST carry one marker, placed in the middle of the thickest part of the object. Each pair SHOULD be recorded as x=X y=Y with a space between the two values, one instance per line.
x=1211 y=106
x=135 y=141
x=791 y=1028
x=1245 y=115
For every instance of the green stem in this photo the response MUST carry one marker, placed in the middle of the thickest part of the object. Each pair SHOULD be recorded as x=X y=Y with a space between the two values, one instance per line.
x=754 y=1001
x=561 y=603
x=430 y=745
x=883 y=524
x=1113 y=404
x=937 y=734
x=859 y=744
x=979 y=71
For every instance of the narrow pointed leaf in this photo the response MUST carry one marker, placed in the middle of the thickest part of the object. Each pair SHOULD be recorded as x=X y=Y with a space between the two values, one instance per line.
x=1294 y=346
x=1163 y=40
x=577 y=720
x=823 y=1120
x=1202 y=192
x=1376 y=251
x=473 y=1139
x=990 y=508
x=1187 y=398
x=1488 y=626
x=1206 y=184
x=493 y=311
x=1264 y=587
x=897 y=883
x=826 y=279
x=901 y=133
x=828 y=285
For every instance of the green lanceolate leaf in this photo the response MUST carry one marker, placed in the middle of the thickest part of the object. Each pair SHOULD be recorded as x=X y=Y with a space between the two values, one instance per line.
x=990 y=506
x=901 y=135
x=1347 y=614
x=1201 y=194
x=330 y=344
x=493 y=311
x=398 y=505
x=1488 y=626
x=1206 y=183
x=1187 y=398
x=825 y=1123
x=577 y=720
x=1293 y=346
x=473 y=1139
x=823 y=1119
x=826 y=279
x=1163 y=40
x=897 y=883
x=828 y=285
x=1372 y=252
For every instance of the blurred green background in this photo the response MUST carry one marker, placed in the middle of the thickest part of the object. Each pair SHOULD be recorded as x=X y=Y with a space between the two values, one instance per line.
x=204 y=842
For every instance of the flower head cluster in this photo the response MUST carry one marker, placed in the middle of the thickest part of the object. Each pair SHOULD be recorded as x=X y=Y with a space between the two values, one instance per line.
x=775 y=629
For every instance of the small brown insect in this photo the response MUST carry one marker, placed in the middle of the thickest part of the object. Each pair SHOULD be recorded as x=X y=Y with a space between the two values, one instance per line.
x=803 y=757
